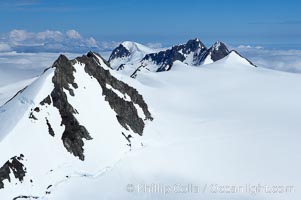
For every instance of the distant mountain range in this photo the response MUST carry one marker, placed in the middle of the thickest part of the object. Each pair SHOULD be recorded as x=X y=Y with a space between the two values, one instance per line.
x=137 y=56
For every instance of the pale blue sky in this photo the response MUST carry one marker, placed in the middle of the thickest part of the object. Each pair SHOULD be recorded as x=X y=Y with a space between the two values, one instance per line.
x=261 y=22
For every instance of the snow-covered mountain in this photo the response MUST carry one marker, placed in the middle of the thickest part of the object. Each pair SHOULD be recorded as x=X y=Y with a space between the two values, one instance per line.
x=215 y=53
x=128 y=53
x=50 y=127
x=190 y=53
x=85 y=131
x=132 y=57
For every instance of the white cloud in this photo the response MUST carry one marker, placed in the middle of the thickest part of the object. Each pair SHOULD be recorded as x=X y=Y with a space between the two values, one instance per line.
x=19 y=35
x=4 y=47
x=249 y=47
x=109 y=45
x=156 y=45
x=54 y=35
x=73 y=41
x=284 y=60
x=19 y=66
x=73 y=34
x=47 y=41
x=91 y=42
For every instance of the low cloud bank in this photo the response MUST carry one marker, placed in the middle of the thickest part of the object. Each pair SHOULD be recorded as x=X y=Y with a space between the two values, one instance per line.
x=283 y=60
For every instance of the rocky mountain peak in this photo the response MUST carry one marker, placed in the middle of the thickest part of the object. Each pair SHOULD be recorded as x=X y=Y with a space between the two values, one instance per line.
x=119 y=52
x=188 y=53
x=218 y=51
x=193 y=45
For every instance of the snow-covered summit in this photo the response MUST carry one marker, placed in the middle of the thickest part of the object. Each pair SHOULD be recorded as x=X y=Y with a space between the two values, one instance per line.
x=192 y=53
x=136 y=47
x=216 y=52
x=128 y=52
x=133 y=57
x=189 y=53
x=235 y=57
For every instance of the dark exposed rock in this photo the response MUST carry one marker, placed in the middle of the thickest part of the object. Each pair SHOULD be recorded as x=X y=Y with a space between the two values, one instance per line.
x=127 y=114
x=127 y=137
x=121 y=67
x=31 y=116
x=165 y=59
x=63 y=74
x=218 y=51
x=45 y=70
x=74 y=133
x=92 y=54
x=63 y=79
x=4 y=174
x=134 y=74
x=119 y=52
x=25 y=197
x=18 y=168
x=195 y=48
x=47 y=100
x=50 y=130
x=36 y=109
x=14 y=166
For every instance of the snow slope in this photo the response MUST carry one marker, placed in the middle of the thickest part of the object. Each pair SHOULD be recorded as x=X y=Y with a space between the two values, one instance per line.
x=8 y=91
x=226 y=123
x=223 y=124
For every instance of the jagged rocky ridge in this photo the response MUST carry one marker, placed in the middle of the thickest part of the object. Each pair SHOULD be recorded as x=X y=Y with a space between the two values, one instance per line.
x=193 y=53
x=218 y=51
x=119 y=52
x=74 y=133
x=63 y=79
x=165 y=59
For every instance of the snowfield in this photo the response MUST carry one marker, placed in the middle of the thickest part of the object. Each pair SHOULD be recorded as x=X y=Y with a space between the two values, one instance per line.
x=222 y=125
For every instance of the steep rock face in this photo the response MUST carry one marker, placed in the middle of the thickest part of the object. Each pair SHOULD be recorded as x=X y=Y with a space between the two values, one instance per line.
x=127 y=114
x=119 y=52
x=165 y=59
x=216 y=52
x=194 y=49
x=63 y=80
x=13 y=166
x=74 y=132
